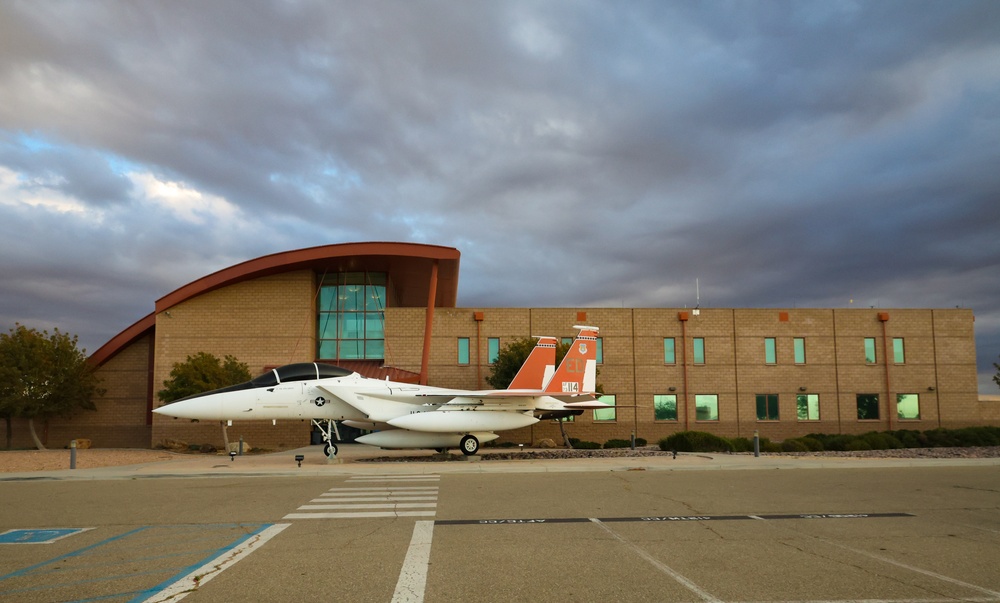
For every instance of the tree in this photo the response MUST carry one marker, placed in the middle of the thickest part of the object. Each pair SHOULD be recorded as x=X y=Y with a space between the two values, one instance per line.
x=43 y=376
x=996 y=377
x=200 y=373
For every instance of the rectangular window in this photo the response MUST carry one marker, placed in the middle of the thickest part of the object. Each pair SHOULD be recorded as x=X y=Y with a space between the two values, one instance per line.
x=870 y=350
x=699 y=350
x=807 y=407
x=665 y=407
x=800 y=350
x=669 y=356
x=908 y=407
x=770 y=352
x=463 y=350
x=606 y=414
x=706 y=407
x=494 y=349
x=898 y=356
x=867 y=407
x=767 y=407
x=600 y=350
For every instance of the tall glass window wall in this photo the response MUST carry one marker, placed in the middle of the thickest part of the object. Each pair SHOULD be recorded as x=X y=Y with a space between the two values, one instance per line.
x=351 y=322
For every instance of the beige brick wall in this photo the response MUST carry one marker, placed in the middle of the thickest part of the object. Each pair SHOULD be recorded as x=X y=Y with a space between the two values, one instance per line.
x=263 y=322
x=939 y=353
x=271 y=321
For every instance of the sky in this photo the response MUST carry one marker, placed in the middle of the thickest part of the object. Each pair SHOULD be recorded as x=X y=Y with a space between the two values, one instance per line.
x=746 y=154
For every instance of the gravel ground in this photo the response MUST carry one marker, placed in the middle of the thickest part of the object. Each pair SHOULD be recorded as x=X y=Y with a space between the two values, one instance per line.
x=559 y=453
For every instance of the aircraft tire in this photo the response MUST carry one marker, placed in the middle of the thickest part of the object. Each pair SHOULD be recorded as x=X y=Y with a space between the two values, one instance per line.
x=329 y=448
x=469 y=445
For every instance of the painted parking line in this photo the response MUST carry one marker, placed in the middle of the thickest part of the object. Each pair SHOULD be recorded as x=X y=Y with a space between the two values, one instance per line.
x=124 y=566
x=664 y=518
x=191 y=578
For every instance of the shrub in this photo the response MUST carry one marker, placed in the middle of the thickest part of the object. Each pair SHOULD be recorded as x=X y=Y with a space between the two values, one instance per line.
x=794 y=446
x=585 y=445
x=812 y=444
x=615 y=443
x=857 y=444
x=910 y=438
x=741 y=444
x=881 y=441
x=767 y=445
x=695 y=441
x=640 y=441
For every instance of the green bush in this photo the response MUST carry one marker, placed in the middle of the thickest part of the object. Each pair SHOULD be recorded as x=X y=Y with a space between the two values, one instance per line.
x=910 y=438
x=855 y=444
x=695 y=441
x=741 y=444
x=767 y=445
x=812 y=444
x=881 y=441
x=585 y=445
x=794 y=446
x=640 y=441
x=614 y=443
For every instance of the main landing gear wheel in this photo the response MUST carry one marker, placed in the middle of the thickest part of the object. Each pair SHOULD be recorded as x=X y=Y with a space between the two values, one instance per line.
x=469 y=445
x=330 y=449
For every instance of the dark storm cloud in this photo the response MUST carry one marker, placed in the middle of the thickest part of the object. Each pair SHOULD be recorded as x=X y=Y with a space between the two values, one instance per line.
x=577 y=153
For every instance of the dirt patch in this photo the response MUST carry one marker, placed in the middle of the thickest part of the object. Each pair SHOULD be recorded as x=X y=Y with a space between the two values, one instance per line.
x=20 y=461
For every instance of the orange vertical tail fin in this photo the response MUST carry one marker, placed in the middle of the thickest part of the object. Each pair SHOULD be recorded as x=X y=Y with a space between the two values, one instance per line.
x=578 y=372
x=538 y=367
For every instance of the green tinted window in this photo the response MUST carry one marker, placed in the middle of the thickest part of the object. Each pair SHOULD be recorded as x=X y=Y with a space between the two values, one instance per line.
x=770 y=354
x=807 y=407
x=665 y=407
x=669 y=356
x=870 y=350
x=606 y=414
x=494 y=351
x=699 y=350
x=463 y=350
x=908 y=406
x=898 y=355
x=800 y=350
x=767 y=407
x=706 y=407
x=867 y=406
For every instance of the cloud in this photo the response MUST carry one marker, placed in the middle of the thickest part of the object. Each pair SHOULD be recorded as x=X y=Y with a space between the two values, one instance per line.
x=577 y=153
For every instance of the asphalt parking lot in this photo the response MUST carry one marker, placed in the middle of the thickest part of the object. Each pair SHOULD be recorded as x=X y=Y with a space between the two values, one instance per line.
x=852 y=532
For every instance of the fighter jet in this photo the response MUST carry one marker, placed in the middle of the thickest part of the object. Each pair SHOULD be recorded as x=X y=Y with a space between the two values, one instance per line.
x=406 y=415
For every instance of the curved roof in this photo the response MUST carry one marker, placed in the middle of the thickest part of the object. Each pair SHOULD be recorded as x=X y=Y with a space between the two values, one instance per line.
x=409 y=265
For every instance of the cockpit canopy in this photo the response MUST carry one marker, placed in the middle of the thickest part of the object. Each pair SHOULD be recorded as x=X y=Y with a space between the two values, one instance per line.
x=301 y=371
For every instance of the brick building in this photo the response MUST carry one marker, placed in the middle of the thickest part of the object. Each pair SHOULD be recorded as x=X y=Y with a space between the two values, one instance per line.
x=369 y=306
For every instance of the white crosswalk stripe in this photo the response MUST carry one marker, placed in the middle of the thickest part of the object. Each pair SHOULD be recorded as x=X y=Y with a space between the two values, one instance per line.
x=373 y=501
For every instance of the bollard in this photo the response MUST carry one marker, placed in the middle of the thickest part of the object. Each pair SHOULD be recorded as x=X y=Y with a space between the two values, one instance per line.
x=756 y=443
x=72 y=454
x=633 y=440
x=241 y=445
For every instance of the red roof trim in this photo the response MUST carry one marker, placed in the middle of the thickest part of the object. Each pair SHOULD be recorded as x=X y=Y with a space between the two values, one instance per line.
x=122 y=340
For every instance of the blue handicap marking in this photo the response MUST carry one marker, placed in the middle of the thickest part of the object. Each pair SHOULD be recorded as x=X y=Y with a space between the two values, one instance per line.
x=37 y=536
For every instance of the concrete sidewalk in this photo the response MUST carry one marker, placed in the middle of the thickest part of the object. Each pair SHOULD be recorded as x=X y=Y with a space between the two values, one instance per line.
x=351 y=461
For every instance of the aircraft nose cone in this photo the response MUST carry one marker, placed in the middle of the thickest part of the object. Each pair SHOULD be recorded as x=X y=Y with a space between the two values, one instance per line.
x=205 y=408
